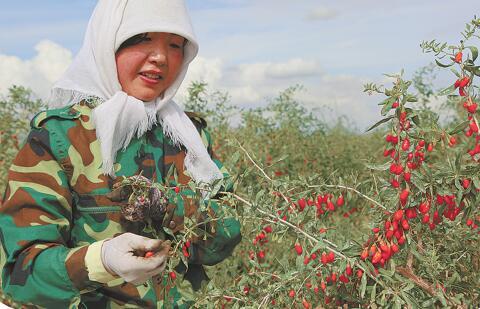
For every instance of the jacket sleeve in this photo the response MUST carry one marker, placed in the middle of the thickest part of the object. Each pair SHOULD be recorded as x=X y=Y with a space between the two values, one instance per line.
x=38 y=265
x=219 y=229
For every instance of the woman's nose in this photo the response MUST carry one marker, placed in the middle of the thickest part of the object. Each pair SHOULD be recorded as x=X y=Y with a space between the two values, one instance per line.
x=158 y=57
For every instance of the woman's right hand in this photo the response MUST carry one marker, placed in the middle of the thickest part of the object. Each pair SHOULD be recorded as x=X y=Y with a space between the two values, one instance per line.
x=119 y=256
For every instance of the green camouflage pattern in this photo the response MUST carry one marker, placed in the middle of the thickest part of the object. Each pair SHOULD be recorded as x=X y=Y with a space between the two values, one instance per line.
x=55 y=207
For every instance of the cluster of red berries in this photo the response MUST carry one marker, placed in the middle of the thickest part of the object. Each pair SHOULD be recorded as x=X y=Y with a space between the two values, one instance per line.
x=415 y=158
x=470 y=107
x=473 y=223
x=472 y=130
x=323 y=203
x=385 y=245
x=326 y=200
x=333 y=278
x=305 y=303
x=461 y=84
x=185 y=247
x=451 y=210
x=386 y=242
x=260 y=239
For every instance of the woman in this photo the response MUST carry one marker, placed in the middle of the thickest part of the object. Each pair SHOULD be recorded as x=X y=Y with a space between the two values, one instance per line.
x=64 y=242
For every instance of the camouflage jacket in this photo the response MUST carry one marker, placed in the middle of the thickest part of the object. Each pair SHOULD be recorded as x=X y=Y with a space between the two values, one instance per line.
x=55 y=217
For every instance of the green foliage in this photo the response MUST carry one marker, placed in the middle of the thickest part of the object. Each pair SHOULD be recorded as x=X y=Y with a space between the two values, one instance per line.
x=280 y=159
x=214 y=105
x=16 y=110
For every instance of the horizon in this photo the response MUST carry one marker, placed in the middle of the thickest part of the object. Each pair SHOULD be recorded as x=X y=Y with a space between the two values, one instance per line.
x=332 y=50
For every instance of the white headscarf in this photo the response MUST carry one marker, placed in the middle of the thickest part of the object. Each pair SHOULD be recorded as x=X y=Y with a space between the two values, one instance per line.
x=93 y=74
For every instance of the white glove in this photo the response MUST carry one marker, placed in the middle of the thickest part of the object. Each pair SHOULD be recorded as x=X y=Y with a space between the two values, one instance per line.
x=124 y=256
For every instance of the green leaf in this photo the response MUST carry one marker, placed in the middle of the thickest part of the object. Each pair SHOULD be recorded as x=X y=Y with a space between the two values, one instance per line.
x=416 y=120
x=447 y=91
x=417 y=182
x=389 y=100
x=473 y=69
x=474 y=52
x=444 y=65
x=455 y=72
x=411 y=98
x=320 y=245
x=476 y=182
x=416 y=254
x=460 y=127
x=259 y=195
x=442 y=299
x=388 y=105
x=373 y=295
x=379 y=123
x=235 y=157
x=378 y=167
x=363 y=285
x=299 y=263
x=408 y=287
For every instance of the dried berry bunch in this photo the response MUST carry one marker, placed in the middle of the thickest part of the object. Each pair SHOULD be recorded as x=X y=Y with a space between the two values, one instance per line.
x=142 y=200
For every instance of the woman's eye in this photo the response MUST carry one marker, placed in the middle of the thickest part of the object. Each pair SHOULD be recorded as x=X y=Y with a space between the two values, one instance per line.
x=174 y=45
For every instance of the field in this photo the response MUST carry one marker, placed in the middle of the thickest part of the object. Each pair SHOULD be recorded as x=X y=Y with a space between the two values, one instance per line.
x=334 y=217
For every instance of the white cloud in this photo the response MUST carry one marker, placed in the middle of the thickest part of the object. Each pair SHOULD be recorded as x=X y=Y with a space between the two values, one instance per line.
x=202 y=69
x=322 y=13
x=248 y=95
x=51 y=60
x=209 y=70
x=252 y=84
x=248 y=84
x=37 y=73
x=293 y=68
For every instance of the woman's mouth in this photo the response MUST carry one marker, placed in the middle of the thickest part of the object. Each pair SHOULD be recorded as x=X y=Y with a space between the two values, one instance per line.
x=151 y=78
x=155 y=76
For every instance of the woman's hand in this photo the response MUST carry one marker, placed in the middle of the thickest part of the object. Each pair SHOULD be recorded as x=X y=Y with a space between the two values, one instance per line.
x=124 y=256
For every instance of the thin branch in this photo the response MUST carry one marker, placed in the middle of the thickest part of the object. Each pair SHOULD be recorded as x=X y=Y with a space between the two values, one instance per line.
x=254 y=163
x=424 y=285
x=351 y=189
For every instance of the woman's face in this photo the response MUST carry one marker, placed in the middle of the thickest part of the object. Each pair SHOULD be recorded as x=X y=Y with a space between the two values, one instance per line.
x=146 y=69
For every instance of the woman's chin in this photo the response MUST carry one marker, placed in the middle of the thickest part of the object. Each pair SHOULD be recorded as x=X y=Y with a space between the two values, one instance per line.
x=145 y=97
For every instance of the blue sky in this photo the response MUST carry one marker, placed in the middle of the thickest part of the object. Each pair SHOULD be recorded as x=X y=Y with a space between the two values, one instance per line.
x=255 y=48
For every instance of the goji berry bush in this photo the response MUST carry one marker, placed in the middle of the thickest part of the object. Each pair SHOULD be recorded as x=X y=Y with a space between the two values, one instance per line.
x=331 y=217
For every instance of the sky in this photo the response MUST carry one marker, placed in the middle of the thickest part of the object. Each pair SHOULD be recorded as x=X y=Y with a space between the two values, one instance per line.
x=254 y=49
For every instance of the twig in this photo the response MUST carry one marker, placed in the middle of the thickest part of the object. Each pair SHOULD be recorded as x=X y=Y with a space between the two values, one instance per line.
x=261 y=170
x=424 y=285
x=254 y=163
x=264 y=273
x=351 y=189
